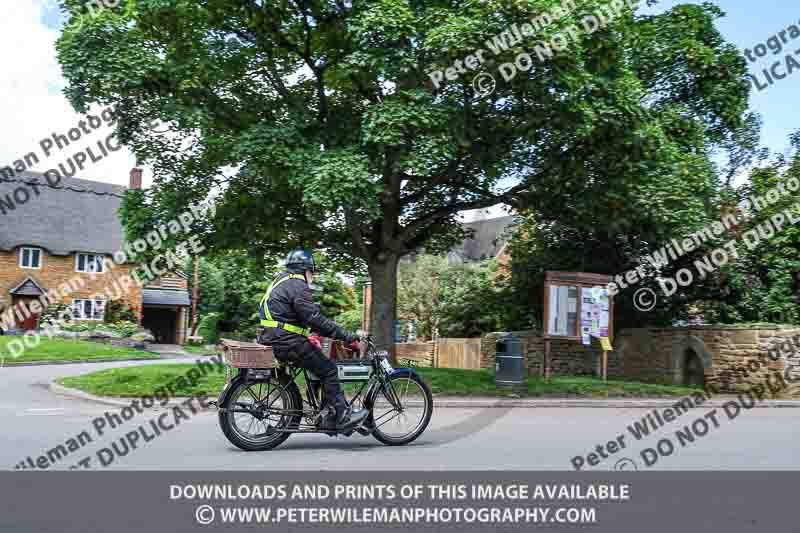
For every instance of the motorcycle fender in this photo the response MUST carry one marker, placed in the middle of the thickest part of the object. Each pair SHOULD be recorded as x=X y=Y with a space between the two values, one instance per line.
x=224 y=396
x=372 y=393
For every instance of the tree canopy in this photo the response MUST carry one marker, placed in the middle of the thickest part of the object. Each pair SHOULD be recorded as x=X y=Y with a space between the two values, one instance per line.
x=316 y=123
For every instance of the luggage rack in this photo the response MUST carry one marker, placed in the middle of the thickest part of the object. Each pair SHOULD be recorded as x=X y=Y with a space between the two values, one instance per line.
x=238 y=354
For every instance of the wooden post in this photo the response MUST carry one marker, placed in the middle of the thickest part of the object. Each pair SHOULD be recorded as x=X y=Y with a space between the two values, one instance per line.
x=546 y=361
x=605 y=366
x=194 y=294
x=366 y=306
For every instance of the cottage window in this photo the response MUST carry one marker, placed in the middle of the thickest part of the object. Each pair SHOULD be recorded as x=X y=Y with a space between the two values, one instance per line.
x=88 y=309
x=90 y=263
x=30 y=257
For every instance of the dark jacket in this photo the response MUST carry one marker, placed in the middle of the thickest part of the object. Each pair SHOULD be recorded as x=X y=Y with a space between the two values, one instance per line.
x=291 y=302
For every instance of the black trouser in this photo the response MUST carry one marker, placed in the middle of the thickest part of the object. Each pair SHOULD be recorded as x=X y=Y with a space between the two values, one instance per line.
x=297 y=349
x=313 y=360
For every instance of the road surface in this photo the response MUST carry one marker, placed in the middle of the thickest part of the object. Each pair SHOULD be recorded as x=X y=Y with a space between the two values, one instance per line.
x=35 y=421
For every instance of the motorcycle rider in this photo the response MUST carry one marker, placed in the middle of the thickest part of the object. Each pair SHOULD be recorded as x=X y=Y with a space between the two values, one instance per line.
x=287 y=315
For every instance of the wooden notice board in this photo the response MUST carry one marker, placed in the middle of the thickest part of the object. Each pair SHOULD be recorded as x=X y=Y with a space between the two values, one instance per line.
x=577 y=306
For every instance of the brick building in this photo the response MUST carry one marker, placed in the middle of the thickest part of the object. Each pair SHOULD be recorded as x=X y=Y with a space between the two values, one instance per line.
x=54 y=239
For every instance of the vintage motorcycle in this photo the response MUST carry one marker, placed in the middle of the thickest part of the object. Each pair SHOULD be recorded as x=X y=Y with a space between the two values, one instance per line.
x=260 y=408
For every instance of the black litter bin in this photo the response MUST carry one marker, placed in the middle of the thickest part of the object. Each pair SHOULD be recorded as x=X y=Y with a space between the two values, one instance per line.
x=510 y=362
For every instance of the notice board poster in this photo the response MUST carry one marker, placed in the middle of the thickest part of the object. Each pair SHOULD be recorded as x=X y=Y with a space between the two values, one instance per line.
x=578 y=306
x=563 y=312
x=599 y=312
x=586 y=316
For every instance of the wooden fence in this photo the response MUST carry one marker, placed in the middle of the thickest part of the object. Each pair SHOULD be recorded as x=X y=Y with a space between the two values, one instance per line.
x=419 y=354
x=442 y=353
x=458 y=353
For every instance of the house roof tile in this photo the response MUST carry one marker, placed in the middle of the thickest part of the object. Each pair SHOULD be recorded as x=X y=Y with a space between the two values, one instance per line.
x=75 y=216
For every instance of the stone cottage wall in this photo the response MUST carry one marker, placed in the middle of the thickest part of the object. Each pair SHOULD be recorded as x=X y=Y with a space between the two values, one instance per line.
x=57 y=271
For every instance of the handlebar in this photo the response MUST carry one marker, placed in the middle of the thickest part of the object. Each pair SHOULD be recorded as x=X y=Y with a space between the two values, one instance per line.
x=369 y=345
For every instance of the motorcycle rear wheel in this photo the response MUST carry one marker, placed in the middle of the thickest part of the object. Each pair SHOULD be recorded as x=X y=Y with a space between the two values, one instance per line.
x=250 y=433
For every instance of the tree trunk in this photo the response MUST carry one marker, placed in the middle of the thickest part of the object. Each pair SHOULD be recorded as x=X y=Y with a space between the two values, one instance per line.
x=383 y=308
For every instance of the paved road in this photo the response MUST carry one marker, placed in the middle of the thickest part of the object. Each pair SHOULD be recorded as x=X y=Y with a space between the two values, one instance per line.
x=34 y=420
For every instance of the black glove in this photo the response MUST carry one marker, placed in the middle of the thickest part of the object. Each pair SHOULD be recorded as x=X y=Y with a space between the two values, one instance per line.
x=350 y=337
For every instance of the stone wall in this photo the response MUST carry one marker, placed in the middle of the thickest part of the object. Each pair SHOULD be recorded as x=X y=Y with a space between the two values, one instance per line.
x=566 y=357
x=730 y=359
x=529 y=340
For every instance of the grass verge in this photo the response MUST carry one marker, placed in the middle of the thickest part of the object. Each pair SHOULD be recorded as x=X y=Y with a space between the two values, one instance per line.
x=142 y=380
x=67 y=350
x=453 y=382
x=198 y=350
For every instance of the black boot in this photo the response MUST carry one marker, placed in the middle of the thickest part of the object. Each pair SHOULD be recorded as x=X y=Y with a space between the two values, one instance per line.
x=347 y=419
x=331 y=392
x=328 y=422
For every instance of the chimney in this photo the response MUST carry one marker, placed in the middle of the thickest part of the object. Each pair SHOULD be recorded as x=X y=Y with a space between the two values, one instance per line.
x=136 y=178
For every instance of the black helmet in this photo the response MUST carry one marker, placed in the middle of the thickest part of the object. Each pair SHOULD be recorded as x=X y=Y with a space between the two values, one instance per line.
x=299 y=261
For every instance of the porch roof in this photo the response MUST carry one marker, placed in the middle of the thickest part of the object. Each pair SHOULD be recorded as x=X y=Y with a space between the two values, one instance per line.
x=172 y=297
x=27 y=288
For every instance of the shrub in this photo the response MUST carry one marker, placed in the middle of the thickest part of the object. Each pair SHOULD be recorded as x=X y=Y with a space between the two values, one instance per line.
x=350 y=320
x=55 y=315
x=77 y=328
x=118 y=311
x=125 y=328
x=208 y=327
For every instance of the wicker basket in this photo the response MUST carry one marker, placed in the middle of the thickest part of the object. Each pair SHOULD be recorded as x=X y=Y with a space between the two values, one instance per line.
x=247 y=354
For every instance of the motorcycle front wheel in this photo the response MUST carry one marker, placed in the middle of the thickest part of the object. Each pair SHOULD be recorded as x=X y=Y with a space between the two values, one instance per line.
x=402 y=410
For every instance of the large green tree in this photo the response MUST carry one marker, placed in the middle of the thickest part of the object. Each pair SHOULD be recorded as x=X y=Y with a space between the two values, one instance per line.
x=316 y=121
x=451 y=298
x=762 y=283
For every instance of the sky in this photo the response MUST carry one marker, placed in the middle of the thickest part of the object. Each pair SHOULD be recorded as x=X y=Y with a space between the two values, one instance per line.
x=34 y=109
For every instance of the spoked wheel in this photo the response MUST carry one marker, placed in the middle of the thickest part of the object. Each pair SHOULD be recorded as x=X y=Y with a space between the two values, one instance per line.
x=257 y=409
x=402 y=410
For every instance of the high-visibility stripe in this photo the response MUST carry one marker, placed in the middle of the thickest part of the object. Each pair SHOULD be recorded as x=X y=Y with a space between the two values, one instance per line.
x=268 y=321
x=305 y=332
